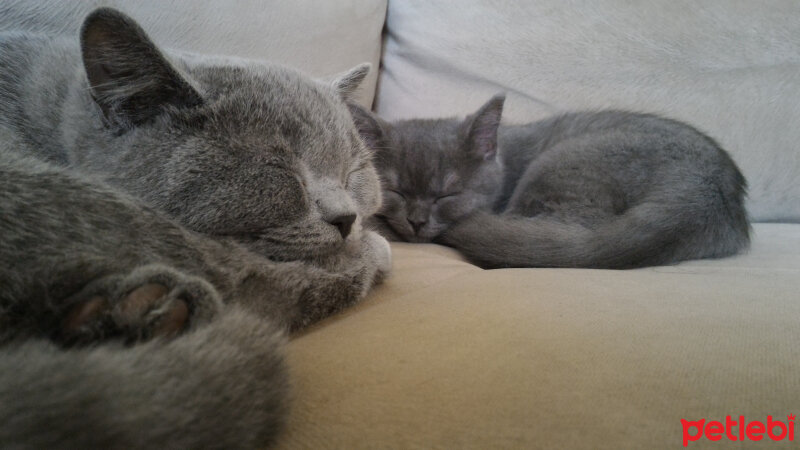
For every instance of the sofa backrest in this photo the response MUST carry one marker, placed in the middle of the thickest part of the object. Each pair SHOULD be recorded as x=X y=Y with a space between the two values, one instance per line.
x=730 y=68
x=318 y=37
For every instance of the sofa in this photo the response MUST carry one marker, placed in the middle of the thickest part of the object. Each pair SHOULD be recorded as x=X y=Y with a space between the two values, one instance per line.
x=444 y=354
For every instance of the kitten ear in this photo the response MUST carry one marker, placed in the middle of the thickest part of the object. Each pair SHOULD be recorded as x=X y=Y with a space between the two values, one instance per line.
x=482 y=128
x=129 y=78
x=371 y=128
x=347 y=83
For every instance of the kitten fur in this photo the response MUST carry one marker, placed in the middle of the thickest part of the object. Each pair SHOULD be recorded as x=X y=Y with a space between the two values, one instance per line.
x=608 y=189
x=236 y=188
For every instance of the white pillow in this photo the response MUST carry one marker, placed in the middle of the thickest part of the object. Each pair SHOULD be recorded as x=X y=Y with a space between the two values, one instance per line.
x=319 y=38
x=731 y=68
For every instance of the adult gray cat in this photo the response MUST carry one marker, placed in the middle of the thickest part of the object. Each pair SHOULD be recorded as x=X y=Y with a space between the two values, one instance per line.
x=202 y=207
x=609 y=189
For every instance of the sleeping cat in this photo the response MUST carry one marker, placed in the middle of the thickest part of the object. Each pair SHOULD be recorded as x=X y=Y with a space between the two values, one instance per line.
x=163 y=222
x=608 y=189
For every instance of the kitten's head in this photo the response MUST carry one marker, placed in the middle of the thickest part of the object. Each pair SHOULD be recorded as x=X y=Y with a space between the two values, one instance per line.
x=252 y=151
x=434 y=172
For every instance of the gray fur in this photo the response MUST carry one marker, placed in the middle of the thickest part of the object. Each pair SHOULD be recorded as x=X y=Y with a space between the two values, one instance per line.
x=348 y=83
x=609 y=189
x=240 y=187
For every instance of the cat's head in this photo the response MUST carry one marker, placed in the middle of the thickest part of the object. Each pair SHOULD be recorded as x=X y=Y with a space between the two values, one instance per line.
x=434 y=172
x=252 y=151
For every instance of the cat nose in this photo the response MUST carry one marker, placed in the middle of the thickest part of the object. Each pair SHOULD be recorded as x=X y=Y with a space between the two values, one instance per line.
x=416 y=224
x=344 y=223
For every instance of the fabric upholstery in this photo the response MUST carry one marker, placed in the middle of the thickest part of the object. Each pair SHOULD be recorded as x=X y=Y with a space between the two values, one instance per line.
x=446 y=355
x=319 y=38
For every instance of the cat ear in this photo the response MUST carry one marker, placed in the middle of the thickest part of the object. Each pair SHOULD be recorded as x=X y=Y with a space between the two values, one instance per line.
x=482 y=128
x=371 y=128
x=347 y=83
x=129 y=78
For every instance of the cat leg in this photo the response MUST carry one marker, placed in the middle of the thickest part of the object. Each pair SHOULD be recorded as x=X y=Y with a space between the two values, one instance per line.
x=344 y=279
x=78 y=261
x=223 y=385
x=150 y=301
x=298 y=293
x=77 y=257
x=347 y=280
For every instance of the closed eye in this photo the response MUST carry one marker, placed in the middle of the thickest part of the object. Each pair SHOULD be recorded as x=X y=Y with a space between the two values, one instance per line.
x=361 y=166
x=398 y=193
x=242 y=235
x=444 y=197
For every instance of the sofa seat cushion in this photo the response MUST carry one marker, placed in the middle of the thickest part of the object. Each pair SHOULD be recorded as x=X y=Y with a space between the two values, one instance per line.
x=446 y=355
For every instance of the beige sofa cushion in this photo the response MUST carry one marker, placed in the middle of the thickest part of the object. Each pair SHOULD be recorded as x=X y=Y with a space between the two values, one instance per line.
x=732 y=68
x=320 y=38
x=446 y=355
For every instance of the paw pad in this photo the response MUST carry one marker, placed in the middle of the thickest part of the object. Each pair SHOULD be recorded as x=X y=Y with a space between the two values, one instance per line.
x=150 y=302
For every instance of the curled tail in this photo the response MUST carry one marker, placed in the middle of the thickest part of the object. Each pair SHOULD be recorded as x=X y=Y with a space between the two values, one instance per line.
x=221 y=386
x=644 y=235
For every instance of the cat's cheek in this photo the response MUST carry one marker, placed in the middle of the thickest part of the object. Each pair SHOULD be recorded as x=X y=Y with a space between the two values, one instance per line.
x=398 y=223
x=364 y=188
x=391 y=206
x=288 y=203
x=395 y=213
x=450 y=211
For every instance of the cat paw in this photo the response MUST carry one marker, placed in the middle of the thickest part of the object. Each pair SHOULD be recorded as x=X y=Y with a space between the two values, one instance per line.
x=151 y=301
x=380 y=251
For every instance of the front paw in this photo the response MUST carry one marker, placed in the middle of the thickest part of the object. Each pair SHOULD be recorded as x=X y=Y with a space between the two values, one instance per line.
x=377 y=248
x=380 y=226
x=150 y=301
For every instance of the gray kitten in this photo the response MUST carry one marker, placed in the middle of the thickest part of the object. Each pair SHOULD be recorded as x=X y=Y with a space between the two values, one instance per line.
x=163 y=222
x=608 y=189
